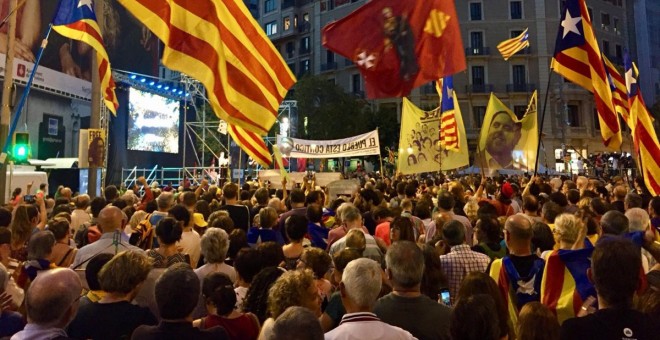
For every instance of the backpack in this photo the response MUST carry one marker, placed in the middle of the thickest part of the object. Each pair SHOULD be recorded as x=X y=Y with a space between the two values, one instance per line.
x=86 y=234
x=143 y=235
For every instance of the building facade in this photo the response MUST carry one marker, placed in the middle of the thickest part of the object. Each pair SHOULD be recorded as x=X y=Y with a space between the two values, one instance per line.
x=570 y=125
x=644 y=19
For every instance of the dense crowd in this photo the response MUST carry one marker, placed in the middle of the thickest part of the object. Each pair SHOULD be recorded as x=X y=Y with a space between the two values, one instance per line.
x=401 y=258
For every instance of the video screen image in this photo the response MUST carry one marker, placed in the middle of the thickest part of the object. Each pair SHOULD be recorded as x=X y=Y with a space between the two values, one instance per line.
x=153 y=122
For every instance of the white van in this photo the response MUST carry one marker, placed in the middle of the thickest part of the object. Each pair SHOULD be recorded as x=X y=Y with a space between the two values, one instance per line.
x=20 y=177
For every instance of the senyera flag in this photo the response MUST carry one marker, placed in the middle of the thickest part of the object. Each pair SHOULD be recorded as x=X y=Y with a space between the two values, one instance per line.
x=75 y=19
x=219 y=43
x=399 y=44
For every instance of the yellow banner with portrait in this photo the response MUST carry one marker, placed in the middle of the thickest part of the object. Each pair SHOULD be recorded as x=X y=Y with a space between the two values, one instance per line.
x=507 y=142
x=96 y=148
x=419 y=142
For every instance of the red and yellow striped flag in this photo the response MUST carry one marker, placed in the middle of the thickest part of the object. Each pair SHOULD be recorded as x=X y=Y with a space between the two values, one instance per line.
x=619 y=91
x=219 y=43
x=578 y=59
x=512 y=46
x=449 y=138
x=252 y=143
x=76 y=20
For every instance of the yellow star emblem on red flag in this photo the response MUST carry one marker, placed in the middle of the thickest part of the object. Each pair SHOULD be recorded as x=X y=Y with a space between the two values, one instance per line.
x=436 y=23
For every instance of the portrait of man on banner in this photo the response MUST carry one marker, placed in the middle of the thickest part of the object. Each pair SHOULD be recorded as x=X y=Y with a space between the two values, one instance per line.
x=96 y=148
x=507 y=142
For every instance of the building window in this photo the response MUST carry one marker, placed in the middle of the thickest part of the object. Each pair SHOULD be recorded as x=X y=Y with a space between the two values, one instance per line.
x=606 y=47
x=604 y=20
x=478 y=75
x=290 y=49
x=304 y=45
x=515 y=33
x=479 y=114
x=519 y=75
x=477 y=41
x=306 y=17
x=356 y=83
x=286 y=24
x=596 y=121
x=304 y=67
x=330 y=56
x=618 y=52
x=516 y=9
x=295 y=20
x=591 y=14
x=615 y=25
x=271 y=28
x=340 y=2
x=573 y=115
x=475 y=11
x=292 y=67
x=270 y=5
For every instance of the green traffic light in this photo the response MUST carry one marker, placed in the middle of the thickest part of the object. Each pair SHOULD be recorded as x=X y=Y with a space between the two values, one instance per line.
x=21 y=151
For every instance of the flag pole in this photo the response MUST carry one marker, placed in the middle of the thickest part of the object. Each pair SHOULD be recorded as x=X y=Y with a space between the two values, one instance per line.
x=26 y=92
x=380 y=155
x=545 y=103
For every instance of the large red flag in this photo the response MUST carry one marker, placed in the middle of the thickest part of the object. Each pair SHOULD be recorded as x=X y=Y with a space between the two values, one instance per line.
x=399 y=44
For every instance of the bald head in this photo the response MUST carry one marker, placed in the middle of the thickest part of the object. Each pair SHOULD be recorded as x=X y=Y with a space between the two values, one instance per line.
x=519 y=227
x=110 y=219
x=51 y=298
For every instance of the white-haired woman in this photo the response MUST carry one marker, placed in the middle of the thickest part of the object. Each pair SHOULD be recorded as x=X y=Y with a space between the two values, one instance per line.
x=215 y=244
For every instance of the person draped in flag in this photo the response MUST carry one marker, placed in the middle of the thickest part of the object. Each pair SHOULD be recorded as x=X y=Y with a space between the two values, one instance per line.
x=75 y=19
x=519 y=274
x=565 y=285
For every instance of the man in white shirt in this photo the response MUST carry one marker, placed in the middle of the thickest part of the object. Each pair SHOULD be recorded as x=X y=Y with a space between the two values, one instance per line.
x=359 y=288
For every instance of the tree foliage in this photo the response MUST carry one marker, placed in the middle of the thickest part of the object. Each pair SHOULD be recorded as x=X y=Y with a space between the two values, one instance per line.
x=332 y=113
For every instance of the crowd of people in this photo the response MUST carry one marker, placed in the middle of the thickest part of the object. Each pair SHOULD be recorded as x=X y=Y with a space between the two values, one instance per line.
x=402 y=258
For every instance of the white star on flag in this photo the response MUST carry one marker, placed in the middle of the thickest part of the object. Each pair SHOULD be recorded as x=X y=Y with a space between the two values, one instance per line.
x=367 y=61
x=570 y=24
x=87 y=3
x=450 y=93
x=630 y=80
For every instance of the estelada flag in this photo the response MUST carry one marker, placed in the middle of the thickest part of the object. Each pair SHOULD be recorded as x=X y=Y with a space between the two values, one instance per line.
x=75 y=19
x=399 y=44
x=577 y=58
x=565 y=285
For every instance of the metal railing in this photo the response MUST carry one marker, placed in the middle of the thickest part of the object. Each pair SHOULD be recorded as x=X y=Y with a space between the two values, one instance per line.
x=479 y=88
x=477 y=50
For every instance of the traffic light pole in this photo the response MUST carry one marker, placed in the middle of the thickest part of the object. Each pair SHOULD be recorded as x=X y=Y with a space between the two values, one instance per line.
x=5 y=112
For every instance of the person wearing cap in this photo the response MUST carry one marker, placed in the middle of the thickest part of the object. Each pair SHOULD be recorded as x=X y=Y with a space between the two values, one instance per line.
x=502 y=202
x=199 y=223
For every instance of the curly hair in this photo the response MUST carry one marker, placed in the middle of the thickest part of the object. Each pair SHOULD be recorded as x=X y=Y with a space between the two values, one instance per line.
x=288 y=291
x=317 y=260
x=256 y=299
